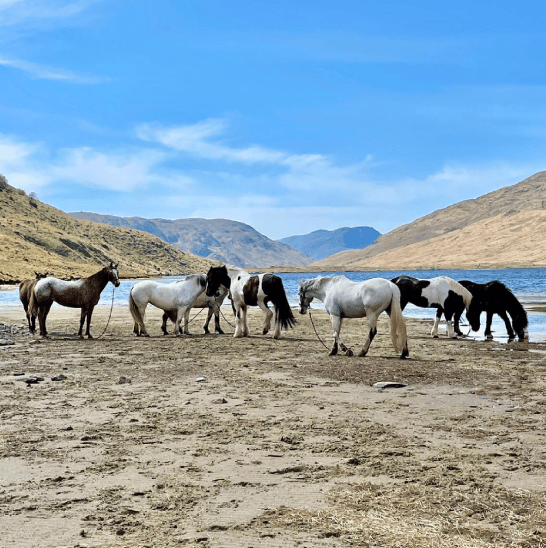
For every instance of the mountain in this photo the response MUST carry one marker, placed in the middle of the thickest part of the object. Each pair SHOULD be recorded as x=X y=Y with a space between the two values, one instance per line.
x=504 y=228
x=323 y=243
x=217 y=239
x=37 y=237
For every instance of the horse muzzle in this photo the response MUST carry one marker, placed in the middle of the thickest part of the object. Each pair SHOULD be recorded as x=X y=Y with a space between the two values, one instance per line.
x=303 y=309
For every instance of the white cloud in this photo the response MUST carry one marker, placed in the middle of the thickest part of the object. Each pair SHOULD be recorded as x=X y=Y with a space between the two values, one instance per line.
x=50 y=73
x=30 y=166
x=195 y=139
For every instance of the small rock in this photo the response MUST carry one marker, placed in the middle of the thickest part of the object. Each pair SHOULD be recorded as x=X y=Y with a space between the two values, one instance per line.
x=388 y=384
x=221 y=400
x=124 y=380
x=59 y=378
x=201 y=379
x=5 y=342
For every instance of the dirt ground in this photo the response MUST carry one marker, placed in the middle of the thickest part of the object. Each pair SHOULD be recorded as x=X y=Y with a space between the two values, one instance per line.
x=214 y=441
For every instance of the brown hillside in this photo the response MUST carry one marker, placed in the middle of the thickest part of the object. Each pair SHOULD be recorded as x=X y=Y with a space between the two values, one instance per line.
x=37 y=237
x=460 y=236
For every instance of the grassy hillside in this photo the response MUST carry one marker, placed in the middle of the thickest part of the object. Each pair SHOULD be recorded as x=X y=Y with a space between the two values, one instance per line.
x=502 y=228
x=37 y=237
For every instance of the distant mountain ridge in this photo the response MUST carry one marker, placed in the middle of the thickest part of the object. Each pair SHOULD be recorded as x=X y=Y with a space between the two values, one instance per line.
x=504 y=228
x=323 y=243
x=216 y=239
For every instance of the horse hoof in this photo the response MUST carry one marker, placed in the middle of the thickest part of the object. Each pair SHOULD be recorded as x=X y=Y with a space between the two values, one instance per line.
x=490 y=338
x=349 y=353
x=435 y=336
x=362 y=354
x=220 y=332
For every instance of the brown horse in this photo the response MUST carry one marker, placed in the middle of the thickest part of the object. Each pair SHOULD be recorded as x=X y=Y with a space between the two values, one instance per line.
x=25 y=291
x=84 y=294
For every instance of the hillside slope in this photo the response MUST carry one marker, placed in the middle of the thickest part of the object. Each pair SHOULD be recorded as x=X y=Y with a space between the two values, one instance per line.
x=446 y=237
x=323 y=243
x=217 y=239
x=37 y=237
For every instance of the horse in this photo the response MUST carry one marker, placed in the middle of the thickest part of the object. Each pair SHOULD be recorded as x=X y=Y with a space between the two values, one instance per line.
x=247 y=290
x=344 y=298
x=177 y=296
x=212 y=303
x=84 y=294
x=443 y=293
x=25 y=291
x=495 y=298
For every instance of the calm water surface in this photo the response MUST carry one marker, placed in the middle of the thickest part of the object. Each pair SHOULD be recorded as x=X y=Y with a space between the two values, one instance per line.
x=528 y=284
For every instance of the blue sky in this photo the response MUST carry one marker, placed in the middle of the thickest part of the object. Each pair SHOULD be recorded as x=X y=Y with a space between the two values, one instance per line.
x=289 y=116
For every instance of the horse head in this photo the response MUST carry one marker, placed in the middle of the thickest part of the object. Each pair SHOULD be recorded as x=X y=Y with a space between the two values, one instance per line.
x=39 y=275
x=112 y=272
x=473 y=314
x=305 y=300
x=520 y=324
x=217 y=276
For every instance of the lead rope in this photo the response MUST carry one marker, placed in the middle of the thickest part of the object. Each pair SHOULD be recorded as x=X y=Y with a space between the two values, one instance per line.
x=111 y=308
x=230 y=324
x=316 y=333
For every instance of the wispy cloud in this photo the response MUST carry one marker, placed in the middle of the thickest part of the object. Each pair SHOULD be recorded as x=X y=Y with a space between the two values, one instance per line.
x=50 y=73
x=23 y=18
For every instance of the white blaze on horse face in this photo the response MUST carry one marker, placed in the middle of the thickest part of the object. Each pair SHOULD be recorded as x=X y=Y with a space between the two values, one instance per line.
x=115 y=275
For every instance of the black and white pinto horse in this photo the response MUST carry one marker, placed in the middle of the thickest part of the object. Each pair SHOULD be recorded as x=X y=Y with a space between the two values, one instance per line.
x=203 y=301
x=344 y=298
x=495 y=298
x=252 y=290
x=449 y=297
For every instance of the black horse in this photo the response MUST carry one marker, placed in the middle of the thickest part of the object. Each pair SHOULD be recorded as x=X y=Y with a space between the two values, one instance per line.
x=446 y=295
x=495 y=298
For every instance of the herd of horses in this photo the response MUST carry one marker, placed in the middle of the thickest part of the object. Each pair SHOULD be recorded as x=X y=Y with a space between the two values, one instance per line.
x=342 y=299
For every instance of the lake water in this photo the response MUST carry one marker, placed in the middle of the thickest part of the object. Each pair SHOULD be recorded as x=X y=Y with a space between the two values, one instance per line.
x=528 y=284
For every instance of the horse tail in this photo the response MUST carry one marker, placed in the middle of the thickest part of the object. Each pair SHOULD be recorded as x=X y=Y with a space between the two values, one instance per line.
x=515 y=309
x=283 y=312
x=33 y=305
x=398 y=324
x=135 y=312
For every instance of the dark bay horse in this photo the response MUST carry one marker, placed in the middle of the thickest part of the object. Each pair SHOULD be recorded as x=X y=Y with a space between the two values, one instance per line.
x=446 y=295
x=252 y=290
x=25 y=291
x=495 y=298
x=84 y=294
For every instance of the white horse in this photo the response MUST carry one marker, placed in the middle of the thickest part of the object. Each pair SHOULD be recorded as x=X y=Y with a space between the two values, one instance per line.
x=343 y=298
x=212 y=303
x=252 y=290
x=179 y=296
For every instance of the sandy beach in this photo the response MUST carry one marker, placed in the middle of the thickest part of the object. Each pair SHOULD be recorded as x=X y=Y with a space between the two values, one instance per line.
x=213 y=441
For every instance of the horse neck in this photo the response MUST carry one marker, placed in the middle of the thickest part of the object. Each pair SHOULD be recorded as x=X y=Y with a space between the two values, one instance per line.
x=319 y=288
x=515 y=308
x=99 y=279
x=234 y=273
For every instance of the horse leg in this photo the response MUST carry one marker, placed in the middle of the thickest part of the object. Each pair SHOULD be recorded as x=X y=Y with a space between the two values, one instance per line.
x=186 y=328
x=238 y=321
x=43 y=311
x=267 y=324
x=508 y=324
x=82 y=321
x=164 y=319
x=246 y=330
x=89 y=314
x=217 y=327
x=207 y=321
x=450 y=332
x=434 y=331
x=456 y=320
x=488 y=334
x=336 y=324
x=372 y=322
x=179 y=316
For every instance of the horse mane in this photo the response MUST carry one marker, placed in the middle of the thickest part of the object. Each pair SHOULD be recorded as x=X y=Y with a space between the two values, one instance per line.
x=460 y=290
